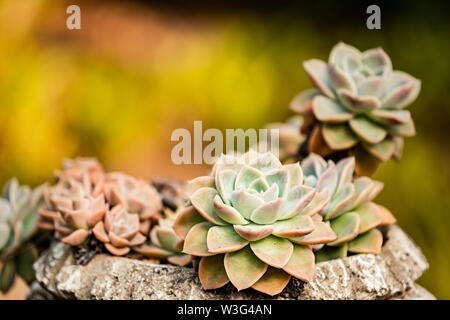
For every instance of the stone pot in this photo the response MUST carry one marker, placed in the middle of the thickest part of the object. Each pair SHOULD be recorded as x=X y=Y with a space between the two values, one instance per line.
x=389 y=275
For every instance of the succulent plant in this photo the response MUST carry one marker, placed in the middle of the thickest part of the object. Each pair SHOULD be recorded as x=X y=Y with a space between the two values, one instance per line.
x=119 y=231
x=357 y=106
x=350 y=211
x=18 y=216
x=165 y=243
x=253 y=222
x=289 y=137
x=137 y=196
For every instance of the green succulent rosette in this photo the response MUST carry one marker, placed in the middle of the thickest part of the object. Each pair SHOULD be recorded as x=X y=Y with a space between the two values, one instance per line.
x=253 y=222
x=358 y=106
x=18 y=217
x=350 y=211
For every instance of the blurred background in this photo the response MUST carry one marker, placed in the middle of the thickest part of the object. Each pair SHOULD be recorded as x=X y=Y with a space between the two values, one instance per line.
x=137 y=70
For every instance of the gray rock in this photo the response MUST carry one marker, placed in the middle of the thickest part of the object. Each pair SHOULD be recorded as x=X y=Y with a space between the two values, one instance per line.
x=391 y=274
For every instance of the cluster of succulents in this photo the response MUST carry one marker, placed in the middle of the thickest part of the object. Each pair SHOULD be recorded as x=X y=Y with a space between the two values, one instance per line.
x=350 y=211
x=254 y=223
x=115 y=208
x=18 y=216
x=357 y=106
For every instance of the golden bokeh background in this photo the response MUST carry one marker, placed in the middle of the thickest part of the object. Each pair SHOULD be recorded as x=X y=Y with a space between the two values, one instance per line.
x=136 y=71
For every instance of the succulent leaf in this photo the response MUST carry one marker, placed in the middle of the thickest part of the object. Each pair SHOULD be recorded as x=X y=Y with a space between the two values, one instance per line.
x=272 y=282
x=222 y=239
x=244 y=268
x=369 y=242
x=212 y=273
x=301 y=264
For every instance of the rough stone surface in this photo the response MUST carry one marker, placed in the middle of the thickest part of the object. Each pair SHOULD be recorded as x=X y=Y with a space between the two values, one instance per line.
x=391 y=274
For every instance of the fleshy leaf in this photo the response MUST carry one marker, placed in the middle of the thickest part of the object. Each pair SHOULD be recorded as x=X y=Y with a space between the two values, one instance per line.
x=280 y=177
x=200 y=182
x=369 y=242
x=203 y=202
x=322 y=234
x=345 y=168
x=391 y=117
x=272 y=282
x=377 y=60
x=24 y=263
x=246 y=176
x=259 y=185
x=228 y=213
x=317 y=71
x=245 y=202
x=327 y=110
x=404 y=130
x=317 y=143
x=403 y=95
x=358 y=103
x=151 y=251
x=295 y=174
x=329 y=179
x=4 y=234
x=339 y=136
x=388 y=217
x=185 y=220
x=340 y=80
x=7 y=275
x=253 y=232
x=211 y=272
x=331 y=253
x=382 y=150
x=301 y=264
x=268 y=212
x=181 y=260
x=196 y=240
x=318 y=202
x=340 y=202
x=167 y=238
x=297 y=199
x=244 y=268
x=270 y=194
x=76 y=238
x=225 y=180
x=298 y=104
x=297 y=226
x=272 y=250
x=222 y=239
x=367 y=130
x=369 y=216
x=346 y=227
x=366 y=164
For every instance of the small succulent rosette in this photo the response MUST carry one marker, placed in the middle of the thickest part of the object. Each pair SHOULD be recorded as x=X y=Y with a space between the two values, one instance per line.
x=165 y=243
x=350 y=211
x=358 y=105
x=119 y=231
x=136 y=196
x=253 y=222
x=75 y=204
x=289 y=137
x=18 y=216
